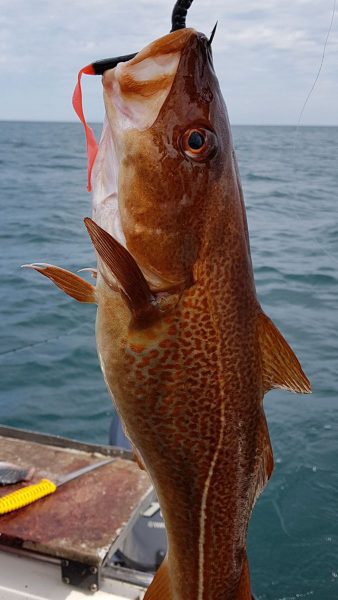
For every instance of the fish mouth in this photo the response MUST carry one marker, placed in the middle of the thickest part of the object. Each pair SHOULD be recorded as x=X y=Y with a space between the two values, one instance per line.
x=135 y=91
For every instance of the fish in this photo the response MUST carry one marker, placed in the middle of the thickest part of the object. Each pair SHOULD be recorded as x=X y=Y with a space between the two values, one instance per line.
x=185 y=347
x=10 y=473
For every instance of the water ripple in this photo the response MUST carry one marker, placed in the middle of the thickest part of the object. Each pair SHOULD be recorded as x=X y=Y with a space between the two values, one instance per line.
x=50 y=377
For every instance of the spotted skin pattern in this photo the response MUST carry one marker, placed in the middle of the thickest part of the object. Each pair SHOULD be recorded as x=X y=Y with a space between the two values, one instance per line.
x=188 y=388
x=184 y=346
x=189 y=391
x=189 y=384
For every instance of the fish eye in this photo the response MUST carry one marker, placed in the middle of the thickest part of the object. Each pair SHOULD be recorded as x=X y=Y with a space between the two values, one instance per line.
x=196 y=140
x=198 y=143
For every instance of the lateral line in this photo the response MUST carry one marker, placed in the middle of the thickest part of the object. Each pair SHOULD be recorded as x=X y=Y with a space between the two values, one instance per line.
x=203 y=507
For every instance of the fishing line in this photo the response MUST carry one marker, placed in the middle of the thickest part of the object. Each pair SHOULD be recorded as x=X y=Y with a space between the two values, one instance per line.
x=46 y=341
x=280 y=517
x=296 y=139
x=320 y=66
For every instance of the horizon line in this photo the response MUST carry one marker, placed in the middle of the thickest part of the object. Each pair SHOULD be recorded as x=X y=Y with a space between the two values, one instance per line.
x=68 y=122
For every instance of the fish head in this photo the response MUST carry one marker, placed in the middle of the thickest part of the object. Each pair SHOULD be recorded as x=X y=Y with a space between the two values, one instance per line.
x=165 y=147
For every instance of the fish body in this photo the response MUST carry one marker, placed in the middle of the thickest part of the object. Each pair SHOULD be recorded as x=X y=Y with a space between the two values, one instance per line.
x=185 y=348
x=179 y=384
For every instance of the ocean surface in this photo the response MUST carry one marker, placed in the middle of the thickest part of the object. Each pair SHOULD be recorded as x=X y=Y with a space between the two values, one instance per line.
x=49 y=374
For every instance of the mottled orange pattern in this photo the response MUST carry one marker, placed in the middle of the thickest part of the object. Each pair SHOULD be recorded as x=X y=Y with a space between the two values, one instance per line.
x=189 y=359
x=189 y=388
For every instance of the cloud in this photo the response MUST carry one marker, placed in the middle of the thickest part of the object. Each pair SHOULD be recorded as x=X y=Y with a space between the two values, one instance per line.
x=266 y=45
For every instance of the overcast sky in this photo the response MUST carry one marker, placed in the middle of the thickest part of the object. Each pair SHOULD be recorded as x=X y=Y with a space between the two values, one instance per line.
x=266 y=53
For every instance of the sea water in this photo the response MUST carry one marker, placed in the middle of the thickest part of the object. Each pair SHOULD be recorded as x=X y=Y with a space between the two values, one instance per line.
x=49 y=374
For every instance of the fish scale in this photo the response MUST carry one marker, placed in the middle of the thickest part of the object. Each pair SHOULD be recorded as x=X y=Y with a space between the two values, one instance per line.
x=171 y=395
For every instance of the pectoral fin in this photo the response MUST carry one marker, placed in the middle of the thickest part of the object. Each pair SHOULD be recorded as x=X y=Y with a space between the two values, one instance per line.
x=280 y=366
x=132 y=283
x=68 y=282
x=160 y=588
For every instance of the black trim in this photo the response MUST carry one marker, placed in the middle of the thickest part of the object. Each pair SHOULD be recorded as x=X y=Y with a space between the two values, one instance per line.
x=100 y=66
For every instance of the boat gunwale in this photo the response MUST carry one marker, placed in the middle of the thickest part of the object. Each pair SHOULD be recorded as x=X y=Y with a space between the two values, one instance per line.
x=63 y=442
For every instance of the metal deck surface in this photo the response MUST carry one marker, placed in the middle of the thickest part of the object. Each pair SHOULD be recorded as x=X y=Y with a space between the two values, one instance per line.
x=81 y=520
x=25 y=579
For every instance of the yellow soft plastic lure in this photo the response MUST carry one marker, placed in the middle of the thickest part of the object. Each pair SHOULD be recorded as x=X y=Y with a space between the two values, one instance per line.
x=30 y=493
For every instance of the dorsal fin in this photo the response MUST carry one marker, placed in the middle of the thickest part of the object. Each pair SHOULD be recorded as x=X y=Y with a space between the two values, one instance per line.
x=68 y=282
x=281 y=368
x=160 y=588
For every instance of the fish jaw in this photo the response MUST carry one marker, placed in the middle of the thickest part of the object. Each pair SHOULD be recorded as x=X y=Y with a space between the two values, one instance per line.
x=133 y=93
x=163 y=194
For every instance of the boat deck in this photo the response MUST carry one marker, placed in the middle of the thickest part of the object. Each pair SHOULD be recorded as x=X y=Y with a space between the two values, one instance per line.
x=24 y=578
x=82 y=523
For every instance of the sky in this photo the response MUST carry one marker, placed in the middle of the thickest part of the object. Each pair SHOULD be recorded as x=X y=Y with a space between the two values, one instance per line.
x=266 y=53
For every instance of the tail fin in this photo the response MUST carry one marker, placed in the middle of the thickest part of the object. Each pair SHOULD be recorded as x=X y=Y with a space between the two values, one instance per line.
x=160 y=588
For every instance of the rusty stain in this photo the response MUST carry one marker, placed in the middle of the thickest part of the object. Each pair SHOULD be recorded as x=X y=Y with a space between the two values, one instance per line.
x=83 y=518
